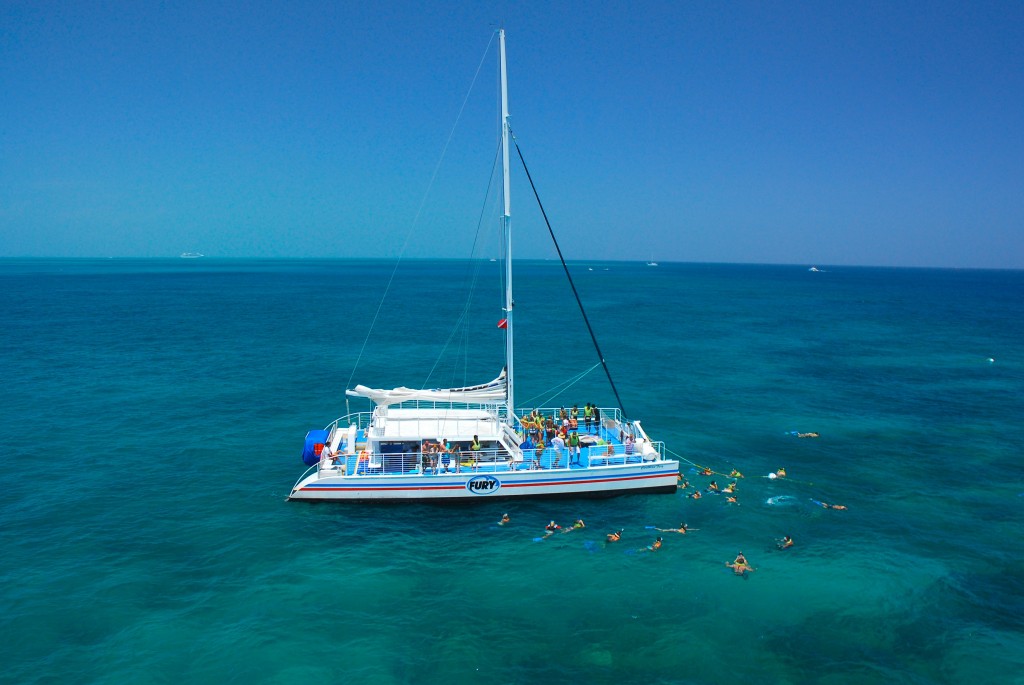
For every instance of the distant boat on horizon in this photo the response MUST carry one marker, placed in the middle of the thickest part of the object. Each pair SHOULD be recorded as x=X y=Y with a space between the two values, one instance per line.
x=191 y=255
x=814 y=269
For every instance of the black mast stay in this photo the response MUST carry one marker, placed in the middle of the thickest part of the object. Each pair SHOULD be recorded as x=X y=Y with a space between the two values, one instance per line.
x=568 y=276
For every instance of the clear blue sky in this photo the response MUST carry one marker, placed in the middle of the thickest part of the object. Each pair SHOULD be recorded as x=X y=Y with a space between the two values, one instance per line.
x=876 y=133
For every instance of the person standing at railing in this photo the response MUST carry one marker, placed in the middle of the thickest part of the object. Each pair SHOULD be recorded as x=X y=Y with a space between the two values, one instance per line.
x=457 y=456
x=424 y=456
x=558 y=443
x=475 y=449
x=588 y=416
x=574 y=449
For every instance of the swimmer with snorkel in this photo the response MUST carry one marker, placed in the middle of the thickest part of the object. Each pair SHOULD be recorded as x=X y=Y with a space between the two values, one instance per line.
x=740 y=566
x=551 y=528
x=577 y=524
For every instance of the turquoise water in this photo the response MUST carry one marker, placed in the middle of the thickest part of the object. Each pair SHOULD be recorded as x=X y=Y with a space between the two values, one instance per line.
x=153 y=413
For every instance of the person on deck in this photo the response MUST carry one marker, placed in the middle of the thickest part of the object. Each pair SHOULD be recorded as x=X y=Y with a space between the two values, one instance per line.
x=588 y=416
x=574 y=449
x=558 y=443
x=474 y=448
x=457 y=457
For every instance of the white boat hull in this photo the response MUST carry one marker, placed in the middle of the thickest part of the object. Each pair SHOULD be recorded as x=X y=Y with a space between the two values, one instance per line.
x=603 y=481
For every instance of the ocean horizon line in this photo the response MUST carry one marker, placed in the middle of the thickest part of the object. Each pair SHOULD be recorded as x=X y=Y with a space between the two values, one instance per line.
x=820 y=266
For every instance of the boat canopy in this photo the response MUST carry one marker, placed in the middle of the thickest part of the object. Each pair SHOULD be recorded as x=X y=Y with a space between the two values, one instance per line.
x=488 y=393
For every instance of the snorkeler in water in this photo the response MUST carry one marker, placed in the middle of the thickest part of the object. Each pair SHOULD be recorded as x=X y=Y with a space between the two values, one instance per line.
x=785 y=543
x=551 y=528
x=683 y=528
x=735 y=474
x=740 y=565
x=577 y=524
x=614 y=536
x=504 y=519
x=656 y=545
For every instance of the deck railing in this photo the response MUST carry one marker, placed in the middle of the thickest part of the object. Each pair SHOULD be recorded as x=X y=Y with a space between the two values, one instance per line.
x=609 y=431
x=483 y=461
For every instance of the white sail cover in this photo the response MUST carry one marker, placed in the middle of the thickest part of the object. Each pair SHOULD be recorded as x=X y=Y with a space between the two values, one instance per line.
x=492 y=392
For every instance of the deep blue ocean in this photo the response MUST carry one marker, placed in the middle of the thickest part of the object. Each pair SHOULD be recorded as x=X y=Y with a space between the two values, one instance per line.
x=152 y=421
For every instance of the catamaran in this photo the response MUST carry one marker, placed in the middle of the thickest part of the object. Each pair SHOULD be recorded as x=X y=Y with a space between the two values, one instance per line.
x=469 y=443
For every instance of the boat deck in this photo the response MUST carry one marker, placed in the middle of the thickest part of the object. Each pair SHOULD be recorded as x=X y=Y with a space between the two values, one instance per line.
x=602 y=446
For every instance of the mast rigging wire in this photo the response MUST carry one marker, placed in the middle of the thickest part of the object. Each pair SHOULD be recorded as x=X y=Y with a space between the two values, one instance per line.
x=569 y=276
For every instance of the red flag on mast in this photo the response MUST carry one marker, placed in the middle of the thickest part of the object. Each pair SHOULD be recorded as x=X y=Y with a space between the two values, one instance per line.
x=503 y=323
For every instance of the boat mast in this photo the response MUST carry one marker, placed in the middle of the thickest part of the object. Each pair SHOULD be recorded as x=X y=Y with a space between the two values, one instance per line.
x=506 y=221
